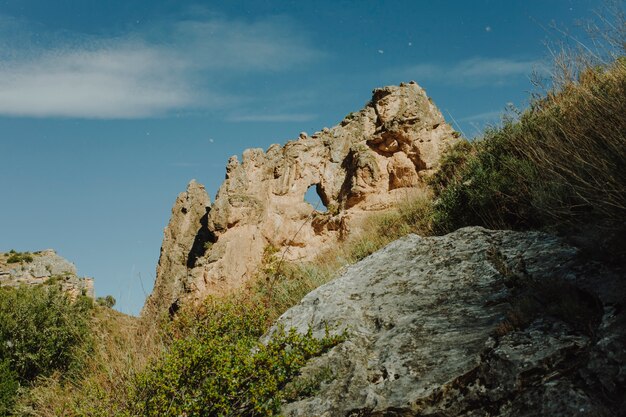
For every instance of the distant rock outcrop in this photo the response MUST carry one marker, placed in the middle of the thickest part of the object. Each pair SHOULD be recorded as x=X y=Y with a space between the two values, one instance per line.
x=372 y=159
x=475 y=323
x=41 y=267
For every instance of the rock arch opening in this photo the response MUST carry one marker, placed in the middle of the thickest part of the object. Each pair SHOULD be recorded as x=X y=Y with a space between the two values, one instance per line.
x=314 y=196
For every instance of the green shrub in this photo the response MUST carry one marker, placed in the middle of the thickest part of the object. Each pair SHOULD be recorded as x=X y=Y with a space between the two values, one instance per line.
x=108 y=301
x=561 y=166
x=8 y=388
x=42 y=330
x=19 y=257
x=489 y=186
x=220 y=368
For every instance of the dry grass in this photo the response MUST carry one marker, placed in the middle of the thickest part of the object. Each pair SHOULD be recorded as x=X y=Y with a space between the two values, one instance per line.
x=122 y=348
x=560 y=167
x=576 y=137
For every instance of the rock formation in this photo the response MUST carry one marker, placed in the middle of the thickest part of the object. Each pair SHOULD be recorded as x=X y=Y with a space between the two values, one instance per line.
x=41 y=267
x=475 y=323
x=368 y=162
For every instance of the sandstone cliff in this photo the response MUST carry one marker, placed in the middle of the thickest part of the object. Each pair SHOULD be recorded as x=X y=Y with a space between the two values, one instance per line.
x=41 y=267
x=368 y=162
x=475 y=323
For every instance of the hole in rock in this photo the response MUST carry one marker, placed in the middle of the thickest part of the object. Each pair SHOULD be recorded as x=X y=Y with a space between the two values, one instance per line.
x=313 y=196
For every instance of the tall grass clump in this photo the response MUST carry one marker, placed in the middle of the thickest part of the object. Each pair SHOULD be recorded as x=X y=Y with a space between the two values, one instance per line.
x=561 y=166
x=122 y=348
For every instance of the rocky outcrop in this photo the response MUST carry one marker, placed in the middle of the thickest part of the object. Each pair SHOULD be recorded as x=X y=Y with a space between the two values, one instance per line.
x=475 y=323
x=372 y=159
x=185 y=239
x=41 y=267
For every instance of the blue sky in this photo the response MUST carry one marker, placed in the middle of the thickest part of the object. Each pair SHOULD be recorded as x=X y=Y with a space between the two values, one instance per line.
x=108 y=109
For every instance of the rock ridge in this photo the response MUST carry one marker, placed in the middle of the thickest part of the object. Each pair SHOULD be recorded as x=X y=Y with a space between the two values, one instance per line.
x=368 y=162
x=39 y=268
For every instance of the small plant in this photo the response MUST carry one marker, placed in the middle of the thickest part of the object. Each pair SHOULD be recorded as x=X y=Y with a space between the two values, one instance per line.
x=333 y=209
x=19 y=257
x=108 y=301
x=207 y=245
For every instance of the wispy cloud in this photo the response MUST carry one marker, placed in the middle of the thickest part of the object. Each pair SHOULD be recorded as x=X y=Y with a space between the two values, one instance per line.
x=142 y=74
x=474 y=72
x=270 y=118
x=126 y=81
x=483 y=117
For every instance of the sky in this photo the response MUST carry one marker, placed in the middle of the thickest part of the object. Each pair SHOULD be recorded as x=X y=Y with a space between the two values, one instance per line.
x=108 y=109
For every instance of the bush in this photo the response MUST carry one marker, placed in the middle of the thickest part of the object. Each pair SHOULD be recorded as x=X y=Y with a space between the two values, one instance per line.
x=219 y=368
x=561 y=166
x=19 y=257
x=488 y=186
x=8 y=388
x=41 y=330
x=108 y=301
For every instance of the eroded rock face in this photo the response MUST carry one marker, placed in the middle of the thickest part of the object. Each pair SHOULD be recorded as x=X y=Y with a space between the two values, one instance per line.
x=184 y=241
x=430 y=331
x=368 y=162
x=43 y=266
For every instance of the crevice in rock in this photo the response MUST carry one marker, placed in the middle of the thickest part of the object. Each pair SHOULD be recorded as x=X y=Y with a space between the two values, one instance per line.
x=203 y=236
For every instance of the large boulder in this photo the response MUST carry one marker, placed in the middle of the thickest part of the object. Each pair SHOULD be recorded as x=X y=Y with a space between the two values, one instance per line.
x=368 y=162
x=475 y=323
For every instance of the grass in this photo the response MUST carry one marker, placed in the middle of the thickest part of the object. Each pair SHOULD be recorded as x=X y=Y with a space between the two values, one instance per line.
x=560 y=167
x=19 y=257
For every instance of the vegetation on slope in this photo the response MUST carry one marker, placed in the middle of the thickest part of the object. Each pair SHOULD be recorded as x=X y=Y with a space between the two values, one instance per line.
x=561 y=166
x=42 y=332
x=220 y=368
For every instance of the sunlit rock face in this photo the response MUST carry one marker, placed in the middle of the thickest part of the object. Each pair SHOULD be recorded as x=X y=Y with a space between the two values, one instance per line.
x=474 y=323
x=368 y=162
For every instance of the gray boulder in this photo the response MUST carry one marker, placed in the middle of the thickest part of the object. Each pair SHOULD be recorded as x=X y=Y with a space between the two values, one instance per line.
x=474 y=323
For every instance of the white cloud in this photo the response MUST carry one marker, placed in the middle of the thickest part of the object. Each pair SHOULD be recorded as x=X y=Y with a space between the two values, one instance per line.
x=475 y=71
x=121 y=82
x=268 y=118
x=273 y=44
x=176 y=66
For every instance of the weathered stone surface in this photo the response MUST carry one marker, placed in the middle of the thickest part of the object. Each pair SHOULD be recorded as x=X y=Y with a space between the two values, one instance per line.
x=427 y=323
x=372 y=159
x=45 y=265
x=184 y=240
